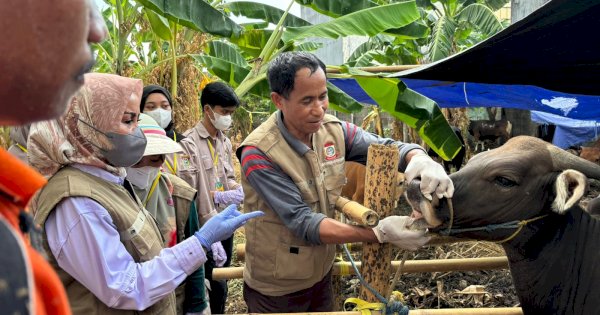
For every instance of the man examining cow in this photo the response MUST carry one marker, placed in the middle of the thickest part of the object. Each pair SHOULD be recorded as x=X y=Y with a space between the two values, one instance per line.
x=293 y=169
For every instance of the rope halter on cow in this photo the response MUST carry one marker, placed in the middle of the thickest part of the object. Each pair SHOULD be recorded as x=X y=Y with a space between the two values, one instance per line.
x=517 y=224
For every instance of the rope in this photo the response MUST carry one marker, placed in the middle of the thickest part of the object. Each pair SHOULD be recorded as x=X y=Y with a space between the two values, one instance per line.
x=517 y=224
x=365 y=307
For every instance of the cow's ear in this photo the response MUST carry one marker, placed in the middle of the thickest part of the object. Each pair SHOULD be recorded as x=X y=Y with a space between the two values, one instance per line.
x=571 y=186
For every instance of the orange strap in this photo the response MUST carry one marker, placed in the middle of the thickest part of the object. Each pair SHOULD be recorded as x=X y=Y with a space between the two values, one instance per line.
x=18 y=183
x=50 y=297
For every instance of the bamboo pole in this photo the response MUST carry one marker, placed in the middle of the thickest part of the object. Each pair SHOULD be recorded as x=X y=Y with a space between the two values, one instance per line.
x=447 y=311
x=382 y=161
x=357 y=212
x=379 y=68
x=410 y=266
x=240 y=249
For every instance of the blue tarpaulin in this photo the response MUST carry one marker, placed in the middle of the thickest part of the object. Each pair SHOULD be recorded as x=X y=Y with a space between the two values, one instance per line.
x=463 y=94
x=569 y=132
x=576 y=117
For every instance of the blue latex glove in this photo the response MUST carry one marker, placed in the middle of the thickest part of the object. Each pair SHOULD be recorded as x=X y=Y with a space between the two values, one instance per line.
x=223 y=225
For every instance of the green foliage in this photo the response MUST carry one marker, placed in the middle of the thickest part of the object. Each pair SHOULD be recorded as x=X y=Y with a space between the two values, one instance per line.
x=152 y=33
x=198 y=15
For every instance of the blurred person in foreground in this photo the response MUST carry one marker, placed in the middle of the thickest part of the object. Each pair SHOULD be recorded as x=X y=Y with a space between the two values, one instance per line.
x=293 y=168
x=44 y=54
x=106 y=247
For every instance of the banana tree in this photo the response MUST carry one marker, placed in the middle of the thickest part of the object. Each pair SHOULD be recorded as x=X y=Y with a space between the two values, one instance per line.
x=454 y=25
x=244 y=66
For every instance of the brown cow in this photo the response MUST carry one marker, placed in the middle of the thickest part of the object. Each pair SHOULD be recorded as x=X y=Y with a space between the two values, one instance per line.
x=525 y=195
x=591 y=154
x=498 y=131
x=355 y=183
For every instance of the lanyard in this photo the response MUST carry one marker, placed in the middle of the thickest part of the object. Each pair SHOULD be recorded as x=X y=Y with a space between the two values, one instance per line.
x=173 y=168
x=214 y=154
x=215 y=157
x=152 y=189
x=22 y=148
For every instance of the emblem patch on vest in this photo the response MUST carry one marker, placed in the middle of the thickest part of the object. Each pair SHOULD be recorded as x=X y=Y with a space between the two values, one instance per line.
x=185 y=161
x=330 y=152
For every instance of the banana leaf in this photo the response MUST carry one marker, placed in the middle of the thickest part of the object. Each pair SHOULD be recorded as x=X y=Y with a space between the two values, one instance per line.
x=255 y=10
x=481 y=17
x=442 y=39
x=414 y=109
x=367 y=22
x=160 y=25
x=252 y=41
x=336 y=8
x=340 y=101
x=195 y=14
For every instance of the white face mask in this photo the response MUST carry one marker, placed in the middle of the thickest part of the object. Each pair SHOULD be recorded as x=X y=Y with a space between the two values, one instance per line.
x=221 y=122
x=142 y=177
x=162 y=117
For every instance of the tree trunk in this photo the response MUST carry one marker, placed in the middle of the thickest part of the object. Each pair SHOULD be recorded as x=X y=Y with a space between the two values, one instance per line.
x=379 y=194
x=521 y=119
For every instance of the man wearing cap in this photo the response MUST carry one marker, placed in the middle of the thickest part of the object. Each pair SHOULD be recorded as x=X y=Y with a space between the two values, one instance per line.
x=171 y=201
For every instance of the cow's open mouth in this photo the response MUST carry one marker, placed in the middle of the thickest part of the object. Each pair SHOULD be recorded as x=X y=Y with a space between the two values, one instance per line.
x=424 y=211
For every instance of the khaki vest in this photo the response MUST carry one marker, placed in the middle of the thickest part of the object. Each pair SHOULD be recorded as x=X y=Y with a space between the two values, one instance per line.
x=277 y=262
x=139 y=233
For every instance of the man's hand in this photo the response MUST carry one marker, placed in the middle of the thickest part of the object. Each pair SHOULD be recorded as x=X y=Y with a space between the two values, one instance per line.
x=394 y=230
x=218 y=253
x=433 y=176
x=222 y=225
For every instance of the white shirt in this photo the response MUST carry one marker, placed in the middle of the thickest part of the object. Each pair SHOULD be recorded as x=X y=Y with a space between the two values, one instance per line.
x=85 y=242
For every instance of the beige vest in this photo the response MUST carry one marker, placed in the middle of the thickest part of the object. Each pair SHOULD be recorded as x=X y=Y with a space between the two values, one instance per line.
x=277 y=262
x=139 y=233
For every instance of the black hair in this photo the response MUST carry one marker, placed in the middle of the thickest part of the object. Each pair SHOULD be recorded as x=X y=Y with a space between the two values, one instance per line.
x=151 y=89
x=219 y=93
x=282 y=70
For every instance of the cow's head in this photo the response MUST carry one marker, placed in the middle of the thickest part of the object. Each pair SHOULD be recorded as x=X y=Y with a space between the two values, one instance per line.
x=523 y=179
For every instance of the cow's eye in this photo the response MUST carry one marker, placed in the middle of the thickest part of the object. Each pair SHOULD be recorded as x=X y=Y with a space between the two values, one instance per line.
x=505 y=182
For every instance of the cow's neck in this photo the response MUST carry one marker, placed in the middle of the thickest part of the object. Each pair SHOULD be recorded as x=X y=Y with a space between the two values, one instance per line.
x=555 y=258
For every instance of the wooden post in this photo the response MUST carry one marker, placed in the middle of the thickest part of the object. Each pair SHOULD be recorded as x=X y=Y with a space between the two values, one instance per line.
x=338 y=282
x=380 y=186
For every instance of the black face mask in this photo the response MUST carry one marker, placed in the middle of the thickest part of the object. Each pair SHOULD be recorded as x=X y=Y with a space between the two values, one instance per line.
x=127 y=149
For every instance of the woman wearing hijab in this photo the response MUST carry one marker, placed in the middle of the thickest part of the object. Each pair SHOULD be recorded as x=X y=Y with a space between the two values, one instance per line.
x=157 y=103
x=106 y=248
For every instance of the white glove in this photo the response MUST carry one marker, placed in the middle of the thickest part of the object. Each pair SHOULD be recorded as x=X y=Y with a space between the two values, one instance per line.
x=433 y=176
x=394 y=230
x=218 y=253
